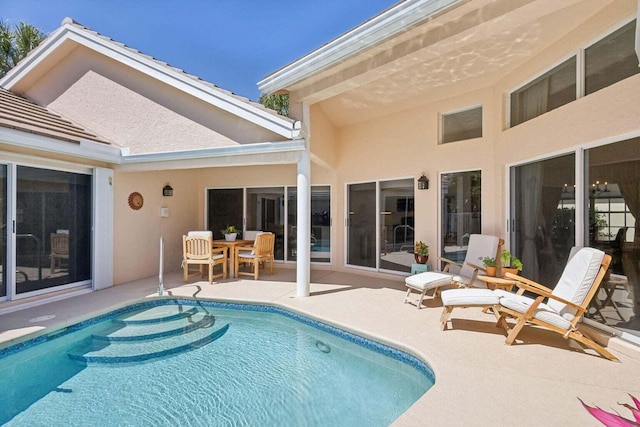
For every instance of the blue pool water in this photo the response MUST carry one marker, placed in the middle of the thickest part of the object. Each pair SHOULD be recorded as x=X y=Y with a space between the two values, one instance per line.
x=185 y=362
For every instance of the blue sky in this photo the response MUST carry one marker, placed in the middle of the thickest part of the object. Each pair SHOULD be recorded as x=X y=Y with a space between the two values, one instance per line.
x=231 y=43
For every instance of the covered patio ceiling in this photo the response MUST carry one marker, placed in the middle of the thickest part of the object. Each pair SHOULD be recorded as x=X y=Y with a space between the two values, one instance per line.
x=472 y=42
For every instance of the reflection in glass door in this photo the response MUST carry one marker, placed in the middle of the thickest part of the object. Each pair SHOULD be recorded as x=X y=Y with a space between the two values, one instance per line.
x=320 y=224
x=265 y=212
x=224 y=207
x=397 y=225
x=543 y=214
x=612 y=202
x=53 y=229
x=461 y=212
x=361 y=241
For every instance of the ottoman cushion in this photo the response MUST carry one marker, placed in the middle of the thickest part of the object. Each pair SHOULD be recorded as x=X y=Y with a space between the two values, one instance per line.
x=470 y=297
x=428 y=280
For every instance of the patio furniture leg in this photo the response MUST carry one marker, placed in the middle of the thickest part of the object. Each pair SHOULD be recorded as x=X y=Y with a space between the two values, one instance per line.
x=444 y=317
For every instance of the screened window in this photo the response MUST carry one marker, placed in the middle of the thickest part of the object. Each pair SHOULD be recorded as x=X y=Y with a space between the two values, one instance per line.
x=461 y=125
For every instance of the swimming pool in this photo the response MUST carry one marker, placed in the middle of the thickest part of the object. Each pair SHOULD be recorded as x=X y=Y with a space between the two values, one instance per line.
x=187 y=362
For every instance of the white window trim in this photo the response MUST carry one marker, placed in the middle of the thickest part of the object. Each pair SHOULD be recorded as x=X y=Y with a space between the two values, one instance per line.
x=458 y=110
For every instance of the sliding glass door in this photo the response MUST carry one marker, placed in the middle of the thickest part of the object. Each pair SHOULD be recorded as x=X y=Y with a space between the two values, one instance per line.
x=380 y=225
x=461 y=204
x=543 y=214
x=224 y=207
x=545 y=219
x=397 y=225
x=3 y=231
x=361 y=235
x=53 y=229
x=265 y=212
x=273 y=209
x=320 y=224
x=612 y=210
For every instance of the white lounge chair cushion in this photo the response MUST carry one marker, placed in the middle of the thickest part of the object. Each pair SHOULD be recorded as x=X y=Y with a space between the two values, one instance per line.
x=219 y=256
x=576 y=280
x=428 y=280
x=480 y=246
x=521 y=304
x=469 y=297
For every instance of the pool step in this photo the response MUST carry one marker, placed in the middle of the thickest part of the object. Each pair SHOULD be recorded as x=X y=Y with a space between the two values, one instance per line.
x=136 y=333
x=149 y=334
x=156 y=315
x=109 y=354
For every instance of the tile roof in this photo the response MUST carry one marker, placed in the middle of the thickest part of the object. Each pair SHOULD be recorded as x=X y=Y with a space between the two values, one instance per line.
x=179 y=71
x=19 y=113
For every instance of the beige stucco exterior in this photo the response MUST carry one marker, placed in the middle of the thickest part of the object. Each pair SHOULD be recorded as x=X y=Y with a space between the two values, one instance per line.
x=378 y=119
x=374 y=115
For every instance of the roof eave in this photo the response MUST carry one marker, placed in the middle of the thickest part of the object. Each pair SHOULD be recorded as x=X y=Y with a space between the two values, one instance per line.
x=69 y=31
x=382 y=27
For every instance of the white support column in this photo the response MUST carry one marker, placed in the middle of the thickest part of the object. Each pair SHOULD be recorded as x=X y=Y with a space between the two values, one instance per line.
x=303 y=266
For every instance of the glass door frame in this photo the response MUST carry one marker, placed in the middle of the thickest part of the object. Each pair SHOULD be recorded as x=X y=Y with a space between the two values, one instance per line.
x=11 y=247
x=378 y=223
x=581 y=217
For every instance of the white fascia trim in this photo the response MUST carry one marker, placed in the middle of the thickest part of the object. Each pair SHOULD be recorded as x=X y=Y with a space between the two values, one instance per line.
x=209 y=153
x=150 y=67
x=85 y=149
x=378 y=29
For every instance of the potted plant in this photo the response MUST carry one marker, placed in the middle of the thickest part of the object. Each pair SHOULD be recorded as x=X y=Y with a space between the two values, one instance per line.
x=230 y=233
x=489 y=265
x=421 y=252
x=510 y=263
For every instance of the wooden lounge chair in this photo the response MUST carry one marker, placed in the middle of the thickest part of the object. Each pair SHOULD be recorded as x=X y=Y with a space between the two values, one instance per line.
x=480 y=246
x=261 y=251
x=558 y=310
x=197 y=250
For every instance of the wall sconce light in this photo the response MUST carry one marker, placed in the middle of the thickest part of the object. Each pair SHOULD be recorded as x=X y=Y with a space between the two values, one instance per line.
x=423 y=182
x=167 y=191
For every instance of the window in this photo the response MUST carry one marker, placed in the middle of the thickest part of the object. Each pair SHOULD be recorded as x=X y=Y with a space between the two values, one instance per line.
x=461 y=214
x=607 y=61
x=549 y=91
x=461 y=125
x=611 y=59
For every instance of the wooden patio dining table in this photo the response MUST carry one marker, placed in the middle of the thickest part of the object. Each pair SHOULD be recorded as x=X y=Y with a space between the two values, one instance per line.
x=232 y=253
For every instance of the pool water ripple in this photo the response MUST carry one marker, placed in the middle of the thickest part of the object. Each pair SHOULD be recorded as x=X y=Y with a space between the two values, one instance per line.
x=267 y=369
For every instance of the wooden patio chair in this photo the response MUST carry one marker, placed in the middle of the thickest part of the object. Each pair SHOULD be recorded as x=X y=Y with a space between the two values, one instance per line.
x=197 y=249
x=480 y=246
x=59 y=250
x=558 y=310
x=261 y=251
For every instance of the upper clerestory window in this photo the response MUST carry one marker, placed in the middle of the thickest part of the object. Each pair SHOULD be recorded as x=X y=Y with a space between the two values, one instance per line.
x=611 y=59
x=608 y=61
x=461 y=125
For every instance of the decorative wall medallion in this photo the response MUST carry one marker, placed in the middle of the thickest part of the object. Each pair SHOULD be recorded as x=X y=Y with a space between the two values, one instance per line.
x=135 y=201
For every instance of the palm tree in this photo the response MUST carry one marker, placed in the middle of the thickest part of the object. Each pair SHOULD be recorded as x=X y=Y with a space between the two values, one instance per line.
x=16 y=42
x=277 y=102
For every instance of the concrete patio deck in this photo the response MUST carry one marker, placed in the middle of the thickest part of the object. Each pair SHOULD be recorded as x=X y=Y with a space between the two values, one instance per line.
x=479 y=380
